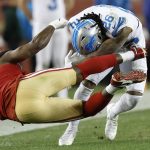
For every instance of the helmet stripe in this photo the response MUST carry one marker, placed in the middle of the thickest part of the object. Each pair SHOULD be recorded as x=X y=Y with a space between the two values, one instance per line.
x=76 y=31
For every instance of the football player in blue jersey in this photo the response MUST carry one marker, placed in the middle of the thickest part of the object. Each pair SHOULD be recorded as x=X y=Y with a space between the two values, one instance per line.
x=101 y=30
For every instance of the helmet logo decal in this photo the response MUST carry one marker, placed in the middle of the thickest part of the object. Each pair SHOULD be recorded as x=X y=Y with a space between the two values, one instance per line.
x=86 y=37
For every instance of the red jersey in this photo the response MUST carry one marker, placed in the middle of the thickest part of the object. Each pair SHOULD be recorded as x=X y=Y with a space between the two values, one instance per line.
x=10 y=75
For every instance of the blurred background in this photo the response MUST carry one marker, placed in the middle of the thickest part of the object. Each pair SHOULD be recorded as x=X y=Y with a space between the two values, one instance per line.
x=16 y=27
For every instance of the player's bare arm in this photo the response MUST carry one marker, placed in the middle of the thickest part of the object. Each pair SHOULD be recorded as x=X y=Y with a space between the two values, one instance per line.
x=33 y=47
x=111 y=45
x=29 y=49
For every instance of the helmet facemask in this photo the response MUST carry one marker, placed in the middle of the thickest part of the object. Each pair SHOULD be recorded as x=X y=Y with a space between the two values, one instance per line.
x=87 y=37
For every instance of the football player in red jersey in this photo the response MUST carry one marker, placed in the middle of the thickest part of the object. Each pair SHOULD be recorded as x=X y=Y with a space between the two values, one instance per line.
x=29 y=98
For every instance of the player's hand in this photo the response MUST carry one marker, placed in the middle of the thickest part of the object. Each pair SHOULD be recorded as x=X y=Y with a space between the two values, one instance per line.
x=72 y=57
x=59 y=23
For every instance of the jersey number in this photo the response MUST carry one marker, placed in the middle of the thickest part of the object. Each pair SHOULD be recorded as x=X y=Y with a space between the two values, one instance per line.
x=107 y=22
x=52 y=5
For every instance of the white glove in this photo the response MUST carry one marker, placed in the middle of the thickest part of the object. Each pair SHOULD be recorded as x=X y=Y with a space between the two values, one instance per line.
x=72 y=57
x=59 y=23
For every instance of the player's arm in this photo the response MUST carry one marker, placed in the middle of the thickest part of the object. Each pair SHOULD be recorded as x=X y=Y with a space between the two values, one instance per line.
x=33 y=47
x=111 y=45
x=22 y=4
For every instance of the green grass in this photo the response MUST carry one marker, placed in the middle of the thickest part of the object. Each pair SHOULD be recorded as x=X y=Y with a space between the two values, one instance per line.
x=133 y=134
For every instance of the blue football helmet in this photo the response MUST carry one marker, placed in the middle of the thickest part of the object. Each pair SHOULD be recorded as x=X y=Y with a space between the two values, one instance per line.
x=86 y=37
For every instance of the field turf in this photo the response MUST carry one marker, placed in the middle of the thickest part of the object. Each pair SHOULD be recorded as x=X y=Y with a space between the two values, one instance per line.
x=133 y=134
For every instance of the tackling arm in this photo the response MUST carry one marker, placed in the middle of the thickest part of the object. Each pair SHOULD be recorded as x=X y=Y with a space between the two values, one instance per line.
x=33 y=47
x=29 y=49
x=111 y=45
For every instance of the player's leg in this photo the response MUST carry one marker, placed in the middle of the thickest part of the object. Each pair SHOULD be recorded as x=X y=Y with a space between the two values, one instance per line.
x=69 y=135
x=41 y=109
x=37 y=87
x=127 y=101
x=51 y=81
x=83 y=92
x=34 y=105
x=132 y=96
x=99 y=100
x=48 y=109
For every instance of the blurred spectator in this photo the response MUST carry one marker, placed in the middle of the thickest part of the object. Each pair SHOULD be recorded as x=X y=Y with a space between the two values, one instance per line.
x=146 y=10
x=2 y=28
x=25 y=25
x=12 y=33
x=126 y=4
x=2 y=21
x=26 y=33
x=43 y=13
x=141 y=9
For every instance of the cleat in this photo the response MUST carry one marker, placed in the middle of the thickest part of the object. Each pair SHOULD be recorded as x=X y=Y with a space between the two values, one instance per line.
x=120 y=80
x=69 y=135
x=111 y=124
x=139 y=52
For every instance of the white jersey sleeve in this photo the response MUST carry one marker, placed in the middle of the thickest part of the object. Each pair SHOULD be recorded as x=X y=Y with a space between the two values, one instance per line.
x=114 y=19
